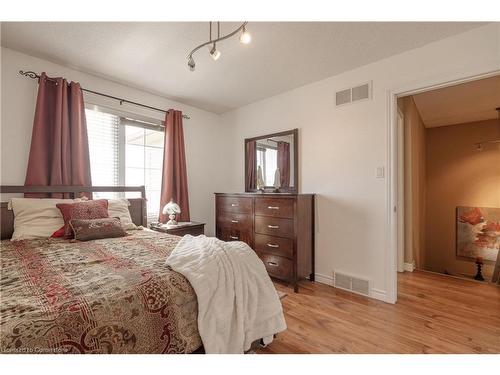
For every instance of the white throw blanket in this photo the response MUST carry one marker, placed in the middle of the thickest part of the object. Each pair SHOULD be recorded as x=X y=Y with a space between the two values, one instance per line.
x=237 y=301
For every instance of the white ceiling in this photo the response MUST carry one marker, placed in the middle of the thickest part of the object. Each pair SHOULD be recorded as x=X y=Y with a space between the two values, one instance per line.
x=282 y=56
x=467 y=102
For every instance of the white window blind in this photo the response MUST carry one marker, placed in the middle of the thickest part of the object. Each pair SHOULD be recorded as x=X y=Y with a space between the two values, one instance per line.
x=128 y=155
x=103 y=134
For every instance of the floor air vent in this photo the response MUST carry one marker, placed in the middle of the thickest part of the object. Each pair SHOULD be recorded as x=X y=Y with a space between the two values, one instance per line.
x=353 y=94
x=350 y=283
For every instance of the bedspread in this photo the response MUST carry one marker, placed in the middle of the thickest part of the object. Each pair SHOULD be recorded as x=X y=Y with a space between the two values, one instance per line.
x=104 y=296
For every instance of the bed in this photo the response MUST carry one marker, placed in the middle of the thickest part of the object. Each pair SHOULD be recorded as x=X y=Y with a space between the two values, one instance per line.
x=102 y=296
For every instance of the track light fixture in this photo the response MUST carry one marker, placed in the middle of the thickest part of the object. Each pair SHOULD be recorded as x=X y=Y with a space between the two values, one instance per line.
x=191 y=63
x=245 y=38
x=214 y=53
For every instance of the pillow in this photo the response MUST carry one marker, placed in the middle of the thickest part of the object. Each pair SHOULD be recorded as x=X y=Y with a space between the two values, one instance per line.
x=94 y=209
x=119 y=208
x=36 y=217
x=59 y=233
x=95 y=229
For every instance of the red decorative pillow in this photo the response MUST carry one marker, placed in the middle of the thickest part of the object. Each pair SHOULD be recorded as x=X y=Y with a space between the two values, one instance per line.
x=58 y=233
x=93 y=209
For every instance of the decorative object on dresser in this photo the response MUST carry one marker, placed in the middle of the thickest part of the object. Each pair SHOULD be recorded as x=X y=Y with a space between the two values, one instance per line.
x=279 y=227
x=193 y=228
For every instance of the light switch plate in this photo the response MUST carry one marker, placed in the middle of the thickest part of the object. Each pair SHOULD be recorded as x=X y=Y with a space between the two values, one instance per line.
x=380 y=172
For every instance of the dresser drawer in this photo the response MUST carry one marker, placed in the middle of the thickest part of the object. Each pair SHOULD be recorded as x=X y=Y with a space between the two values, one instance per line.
x=230 y=234
x=277 y=266
x=242 y=205
x=276 y=207
x=274 y=226
x=235 y=221
x=274 y=245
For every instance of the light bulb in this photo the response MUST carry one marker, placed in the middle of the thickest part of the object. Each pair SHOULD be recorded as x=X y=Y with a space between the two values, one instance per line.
x=245 y=37
x=191 y=63
x=215 y=53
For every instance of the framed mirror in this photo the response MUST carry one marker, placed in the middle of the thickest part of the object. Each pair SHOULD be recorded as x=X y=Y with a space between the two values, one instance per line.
x=271 y=162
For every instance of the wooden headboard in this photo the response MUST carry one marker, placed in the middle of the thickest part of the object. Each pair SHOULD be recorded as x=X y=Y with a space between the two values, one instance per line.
x=137 y=206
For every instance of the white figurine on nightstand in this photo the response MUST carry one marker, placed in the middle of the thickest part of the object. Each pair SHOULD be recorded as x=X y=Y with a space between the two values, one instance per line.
x=171 y=209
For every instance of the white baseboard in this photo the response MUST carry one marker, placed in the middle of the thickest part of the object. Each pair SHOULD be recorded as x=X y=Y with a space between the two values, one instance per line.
x=381 y=295
x=323 y=279
x=374 y=293
x=409 y=267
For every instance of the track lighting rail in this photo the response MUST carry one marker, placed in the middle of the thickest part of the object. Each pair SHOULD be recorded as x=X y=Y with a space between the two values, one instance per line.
x=191 y=62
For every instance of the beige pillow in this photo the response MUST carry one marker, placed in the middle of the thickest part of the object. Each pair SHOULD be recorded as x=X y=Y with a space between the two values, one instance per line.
x=36 y=217
x=119 y=208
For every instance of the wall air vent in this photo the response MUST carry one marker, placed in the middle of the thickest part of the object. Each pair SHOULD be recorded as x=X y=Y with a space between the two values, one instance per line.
x=353 y=94
x=350 y=283
x=343 y=97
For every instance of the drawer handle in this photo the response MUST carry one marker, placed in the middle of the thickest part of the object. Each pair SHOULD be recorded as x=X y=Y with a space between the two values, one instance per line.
x=234 y=221
x=273 y=226
x=273 y=207
x=273 y=245
x=274 y=264
x=234 y=204
x=233 y=237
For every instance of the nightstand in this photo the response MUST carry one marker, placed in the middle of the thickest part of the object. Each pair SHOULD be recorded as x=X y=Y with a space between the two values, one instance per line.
x=193 y=228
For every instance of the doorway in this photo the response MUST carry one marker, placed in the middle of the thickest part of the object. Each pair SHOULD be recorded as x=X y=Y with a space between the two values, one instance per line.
x=446 y=179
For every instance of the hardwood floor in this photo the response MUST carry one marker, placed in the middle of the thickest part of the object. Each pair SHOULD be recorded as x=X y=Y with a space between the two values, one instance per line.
x=434 y=314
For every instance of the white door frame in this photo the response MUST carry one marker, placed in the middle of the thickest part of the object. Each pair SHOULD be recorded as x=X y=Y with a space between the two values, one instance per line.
x=400 y=212
x=392 y=175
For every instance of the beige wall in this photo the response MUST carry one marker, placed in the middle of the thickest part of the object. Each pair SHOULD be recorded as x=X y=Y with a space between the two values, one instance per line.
x=458 y=175
x=415 y=175
x=340 y=148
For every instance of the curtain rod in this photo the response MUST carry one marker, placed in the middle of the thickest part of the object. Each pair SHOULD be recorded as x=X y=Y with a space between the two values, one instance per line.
x=33 y=75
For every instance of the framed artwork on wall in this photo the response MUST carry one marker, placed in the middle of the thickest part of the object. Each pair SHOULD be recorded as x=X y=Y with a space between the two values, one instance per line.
x=478 y=232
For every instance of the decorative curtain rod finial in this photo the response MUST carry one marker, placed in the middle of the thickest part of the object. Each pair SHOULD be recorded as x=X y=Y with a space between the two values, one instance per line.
x=29 y=74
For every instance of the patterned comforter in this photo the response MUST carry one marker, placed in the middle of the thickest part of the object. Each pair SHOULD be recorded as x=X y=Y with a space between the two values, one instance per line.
x=104 y=296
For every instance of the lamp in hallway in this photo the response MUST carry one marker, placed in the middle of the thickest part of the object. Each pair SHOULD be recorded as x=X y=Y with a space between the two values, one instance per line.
x=479 y=264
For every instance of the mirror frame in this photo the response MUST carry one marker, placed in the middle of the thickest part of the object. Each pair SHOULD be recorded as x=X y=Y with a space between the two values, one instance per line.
x=295 y=134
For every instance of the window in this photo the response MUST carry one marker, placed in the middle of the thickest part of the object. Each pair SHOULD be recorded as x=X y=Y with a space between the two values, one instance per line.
x=143 y=164
x=267 y=160
x=122 y=152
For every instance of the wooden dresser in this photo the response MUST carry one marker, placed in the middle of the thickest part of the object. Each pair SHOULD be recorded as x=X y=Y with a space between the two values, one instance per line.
x=279 y=227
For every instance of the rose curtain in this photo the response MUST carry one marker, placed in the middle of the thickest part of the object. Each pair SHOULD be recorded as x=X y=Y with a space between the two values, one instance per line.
x=174 y=176
x=284 y=163
x=59 y=153
x=251 y=177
